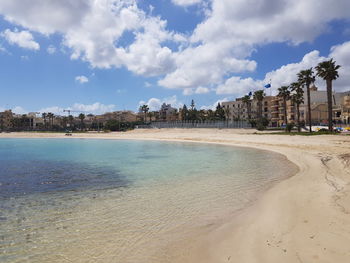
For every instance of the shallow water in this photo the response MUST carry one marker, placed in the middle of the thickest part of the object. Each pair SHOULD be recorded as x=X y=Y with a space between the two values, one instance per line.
x=80 y=200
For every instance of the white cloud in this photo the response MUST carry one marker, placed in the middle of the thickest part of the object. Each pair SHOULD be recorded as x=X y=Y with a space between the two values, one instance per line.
x=2 y=49
x=203 y=66
x=81 y=79
x=154 y=104
x=213 y=106
x=48 y=16
x=238 y=86
x=341 y=54
x=199 y=90
x=51 y=49
x=287 y=74
x=19 y=110
x=218 y=49
x=186 y=2
x=95 y=108
x=22 y=39
x=235 y=28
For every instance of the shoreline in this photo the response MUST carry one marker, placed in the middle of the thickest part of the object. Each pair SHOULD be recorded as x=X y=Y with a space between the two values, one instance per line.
x=303 y=218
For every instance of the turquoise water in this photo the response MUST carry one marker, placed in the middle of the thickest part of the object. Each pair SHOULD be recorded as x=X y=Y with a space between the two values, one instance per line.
x=79 y=200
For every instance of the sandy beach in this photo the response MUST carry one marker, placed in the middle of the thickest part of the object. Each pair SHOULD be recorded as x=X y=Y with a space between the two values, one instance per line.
x=305 y=218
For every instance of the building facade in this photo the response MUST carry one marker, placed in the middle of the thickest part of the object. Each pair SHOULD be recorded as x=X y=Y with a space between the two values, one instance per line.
x=273 y=109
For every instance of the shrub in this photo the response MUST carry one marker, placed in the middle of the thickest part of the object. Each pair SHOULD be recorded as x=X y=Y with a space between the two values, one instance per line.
x=262 y=124
x=252 y=123
x=289 y=127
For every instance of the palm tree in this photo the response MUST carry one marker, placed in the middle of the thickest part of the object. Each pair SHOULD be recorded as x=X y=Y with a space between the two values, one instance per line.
x=284 y=93
x=329 y=72
x=297 y=99
x=44 y=115
x=50 y=116
x=306 y=77
x=150 y=115
x=247 y=101
x=71 y=119
x=144 y=108
x=81 y=117
x=259 y=96
x=64 y=121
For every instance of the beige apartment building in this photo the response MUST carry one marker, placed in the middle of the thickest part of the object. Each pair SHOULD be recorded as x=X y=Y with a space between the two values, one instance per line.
x=238 y=110
x=273 y=108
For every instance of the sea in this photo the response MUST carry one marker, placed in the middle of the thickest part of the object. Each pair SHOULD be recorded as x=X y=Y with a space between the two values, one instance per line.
x=90 y=200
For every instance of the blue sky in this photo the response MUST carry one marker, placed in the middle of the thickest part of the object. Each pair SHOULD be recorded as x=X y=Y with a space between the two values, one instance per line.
x=97 y=56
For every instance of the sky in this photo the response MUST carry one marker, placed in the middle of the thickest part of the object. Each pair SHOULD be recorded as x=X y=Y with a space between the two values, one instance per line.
x=95 y=56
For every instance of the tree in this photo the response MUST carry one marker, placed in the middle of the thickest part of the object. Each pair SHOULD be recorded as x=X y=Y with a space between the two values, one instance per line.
x=192 y=105
x=64 y=122
x=220 y=112
x=297 y=99
x=44 y=115
x=71 y=119
x=144 y=108
x=81 y=117
x=150 y=115
x=50 y=115
x=184 y=113
x=284 y=94
x=329 y=72
x=193 y=114
x=247 y=101
x=259 y=96
x=306 y=77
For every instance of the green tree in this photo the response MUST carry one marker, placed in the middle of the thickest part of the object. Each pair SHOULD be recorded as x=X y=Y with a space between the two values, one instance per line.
x=150 y=115
x=71 y=119
x=44 y=115
x=50 y=115
x=64 y=122
x=306 y=77
x=328 y=70
x=184 y=113
x=259 y=97
x=193 y=105
x=297 y=99
x=81 y=117
x=220 y=112
x=248 y=102
x=284 y=94
x=144 y=108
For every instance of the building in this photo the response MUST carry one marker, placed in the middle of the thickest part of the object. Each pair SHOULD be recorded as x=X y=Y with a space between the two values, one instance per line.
x=273 y=109
x=238 y=110
x=6 y=118
x=167 y=113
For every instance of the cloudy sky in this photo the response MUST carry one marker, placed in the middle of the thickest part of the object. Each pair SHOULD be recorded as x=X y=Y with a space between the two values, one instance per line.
x=104 y=55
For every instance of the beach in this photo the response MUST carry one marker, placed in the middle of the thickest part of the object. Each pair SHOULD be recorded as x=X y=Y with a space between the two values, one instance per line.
x=305 y=218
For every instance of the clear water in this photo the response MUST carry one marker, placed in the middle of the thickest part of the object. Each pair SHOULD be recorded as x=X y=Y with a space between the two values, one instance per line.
x=75 y=200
